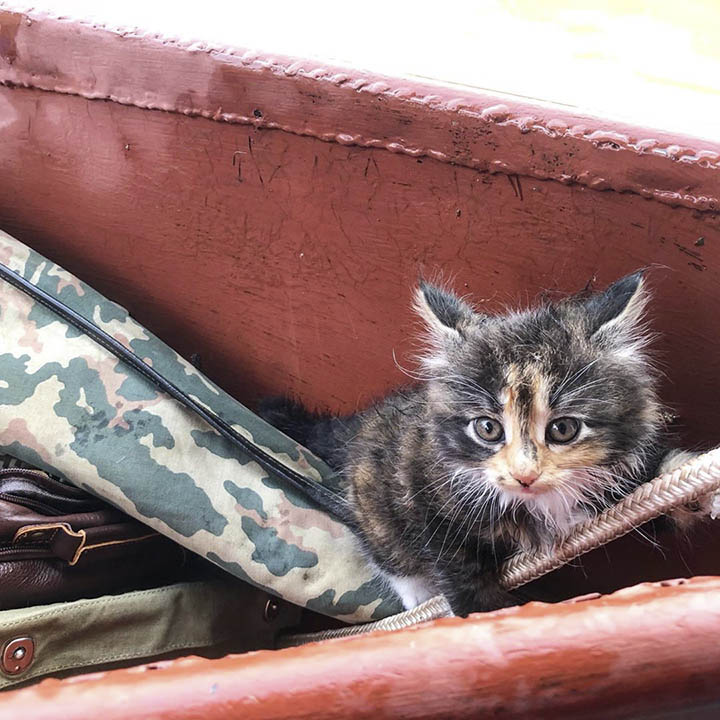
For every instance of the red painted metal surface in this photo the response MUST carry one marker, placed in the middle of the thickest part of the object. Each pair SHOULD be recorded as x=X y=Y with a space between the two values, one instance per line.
x=348 y=106
x=646 y=652
x=272 y=215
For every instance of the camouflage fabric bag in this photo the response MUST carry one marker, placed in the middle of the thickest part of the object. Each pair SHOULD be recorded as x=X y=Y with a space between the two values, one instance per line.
x=88 y=394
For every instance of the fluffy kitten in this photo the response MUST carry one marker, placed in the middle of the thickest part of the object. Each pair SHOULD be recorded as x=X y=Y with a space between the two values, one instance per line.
x=524 y=424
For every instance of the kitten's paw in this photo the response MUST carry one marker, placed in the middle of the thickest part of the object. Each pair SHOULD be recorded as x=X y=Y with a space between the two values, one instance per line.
x=674 y=459
x=413 y=591
x=706 y=506
x=715 y=505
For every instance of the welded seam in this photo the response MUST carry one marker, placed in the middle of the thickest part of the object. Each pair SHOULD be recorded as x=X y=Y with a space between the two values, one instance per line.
x=498 y=115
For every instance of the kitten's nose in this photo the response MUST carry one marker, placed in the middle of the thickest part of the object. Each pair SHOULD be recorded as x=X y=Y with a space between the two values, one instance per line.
x=527 y=478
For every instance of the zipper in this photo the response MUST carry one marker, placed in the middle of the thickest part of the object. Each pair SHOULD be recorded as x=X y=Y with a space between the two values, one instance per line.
x=24 y=472
x=35 y=474
x=17 y=553
x=32 y=503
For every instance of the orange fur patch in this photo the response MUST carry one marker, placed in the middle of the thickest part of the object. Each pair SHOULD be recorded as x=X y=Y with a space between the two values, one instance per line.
x=513 y=458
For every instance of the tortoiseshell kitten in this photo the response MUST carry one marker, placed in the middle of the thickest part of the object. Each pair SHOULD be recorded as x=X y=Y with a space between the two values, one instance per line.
x=524 y=425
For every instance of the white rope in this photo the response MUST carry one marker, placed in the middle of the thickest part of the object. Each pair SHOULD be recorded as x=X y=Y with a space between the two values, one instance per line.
x=694 y=479
x=432 y=609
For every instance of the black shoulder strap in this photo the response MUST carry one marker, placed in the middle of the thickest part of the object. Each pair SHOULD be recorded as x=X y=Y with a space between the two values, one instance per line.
x=327 y=499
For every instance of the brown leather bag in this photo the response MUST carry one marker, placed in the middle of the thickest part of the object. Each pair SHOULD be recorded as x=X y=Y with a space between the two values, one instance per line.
x=59 y=543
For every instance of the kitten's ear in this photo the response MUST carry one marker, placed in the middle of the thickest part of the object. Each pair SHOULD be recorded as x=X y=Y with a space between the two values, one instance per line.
x=620 y=308
x=445 y=314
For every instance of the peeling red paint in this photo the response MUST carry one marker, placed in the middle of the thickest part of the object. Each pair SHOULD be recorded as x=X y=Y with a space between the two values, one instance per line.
x=483 y=129
x=641 y=653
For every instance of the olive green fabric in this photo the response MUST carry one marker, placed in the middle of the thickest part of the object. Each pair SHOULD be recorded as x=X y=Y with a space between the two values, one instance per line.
x=144 y=624
x=69 y=406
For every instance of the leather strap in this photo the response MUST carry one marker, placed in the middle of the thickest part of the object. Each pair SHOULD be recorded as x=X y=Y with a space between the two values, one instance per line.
x=327 y=499
x=68 y=544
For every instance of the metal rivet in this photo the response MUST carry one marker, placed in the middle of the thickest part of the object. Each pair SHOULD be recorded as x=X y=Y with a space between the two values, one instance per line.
x=17 y=655
x=272 y=610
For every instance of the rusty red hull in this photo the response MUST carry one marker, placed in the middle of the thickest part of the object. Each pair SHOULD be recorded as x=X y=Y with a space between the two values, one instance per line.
x=641 y=653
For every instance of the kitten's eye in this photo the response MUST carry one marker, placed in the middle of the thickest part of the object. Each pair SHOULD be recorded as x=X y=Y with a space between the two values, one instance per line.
x=488 y=429
x=562 y=430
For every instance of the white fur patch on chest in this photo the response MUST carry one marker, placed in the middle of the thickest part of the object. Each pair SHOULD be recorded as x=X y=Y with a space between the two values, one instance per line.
x=413 y=591
x=561 y=515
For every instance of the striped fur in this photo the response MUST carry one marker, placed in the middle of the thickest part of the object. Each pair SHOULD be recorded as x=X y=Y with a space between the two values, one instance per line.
x=436 y=506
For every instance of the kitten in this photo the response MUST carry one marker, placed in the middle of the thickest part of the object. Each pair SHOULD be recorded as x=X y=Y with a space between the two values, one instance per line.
x=524 y=425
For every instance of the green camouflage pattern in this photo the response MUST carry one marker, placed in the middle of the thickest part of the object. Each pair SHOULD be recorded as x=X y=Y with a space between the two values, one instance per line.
x=69 y=406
